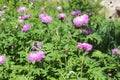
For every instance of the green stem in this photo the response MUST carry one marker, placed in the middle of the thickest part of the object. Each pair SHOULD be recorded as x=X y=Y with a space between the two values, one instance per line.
x=82 y=67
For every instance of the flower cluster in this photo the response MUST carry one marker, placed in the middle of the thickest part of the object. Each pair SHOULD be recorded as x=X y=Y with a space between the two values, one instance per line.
x=2 y=59
x=85 y=46
x=36 y=56
x=81 y=20
x=21 y=18
x=44 y=18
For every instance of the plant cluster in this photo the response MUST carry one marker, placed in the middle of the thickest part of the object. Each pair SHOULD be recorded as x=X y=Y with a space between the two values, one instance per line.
x=57 y=40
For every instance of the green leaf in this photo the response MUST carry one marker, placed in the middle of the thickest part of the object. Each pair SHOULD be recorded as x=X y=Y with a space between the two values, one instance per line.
x=94 y=37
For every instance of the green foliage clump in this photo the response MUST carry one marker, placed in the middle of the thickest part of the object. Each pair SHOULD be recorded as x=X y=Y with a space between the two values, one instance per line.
x=63 y=60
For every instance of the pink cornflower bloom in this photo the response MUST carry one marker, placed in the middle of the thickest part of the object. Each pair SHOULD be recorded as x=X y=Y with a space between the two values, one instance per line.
x=110 y=74
x=26 y=27
x=81 y=20
x=42 y=8
x=39 y=44
x=115 y=51
x=42 y=15
x=59 y=8
x=21 y=20
x=2 y=59
x=2 y=12
x=85 y=46
x=25 y=16
x=62 y=16
x=73 y=13
x=22 y=9
x=46 y=19
x=36 y=56
x=4 y=6
x=76 y=12
x=33 y=47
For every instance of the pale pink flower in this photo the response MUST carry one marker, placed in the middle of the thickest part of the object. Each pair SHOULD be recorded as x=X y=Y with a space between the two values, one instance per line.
x=4 y=6
x=76 y=12
x=25 y=16
x=22 y=9
x=21 y=20
x=81 y=20
x=2 y=59
x=46 y=19
x=36 y=56
x=62 y=16
x=39 y=44
x=2 y=12
x=26 y=27
x=42 y=15
x=59 y=8
x=115 y=51
x=33 y=47
x=85 y=46
x=42 y=8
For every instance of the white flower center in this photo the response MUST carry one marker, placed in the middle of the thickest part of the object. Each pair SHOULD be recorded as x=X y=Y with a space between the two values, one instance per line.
x=0 y=59
x=80 y=19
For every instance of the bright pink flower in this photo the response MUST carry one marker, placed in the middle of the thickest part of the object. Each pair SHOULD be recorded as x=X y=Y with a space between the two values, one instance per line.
x=36 y=56
x=25 y=16
x=42 y=15
x=85 y=46
x=39 y=44
x=2 y=59
x=115 y=51
x=62 y=16
x=76 y=12
x=46 y=19
x=26 y=27
x=22 y=9
x=81 y=20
